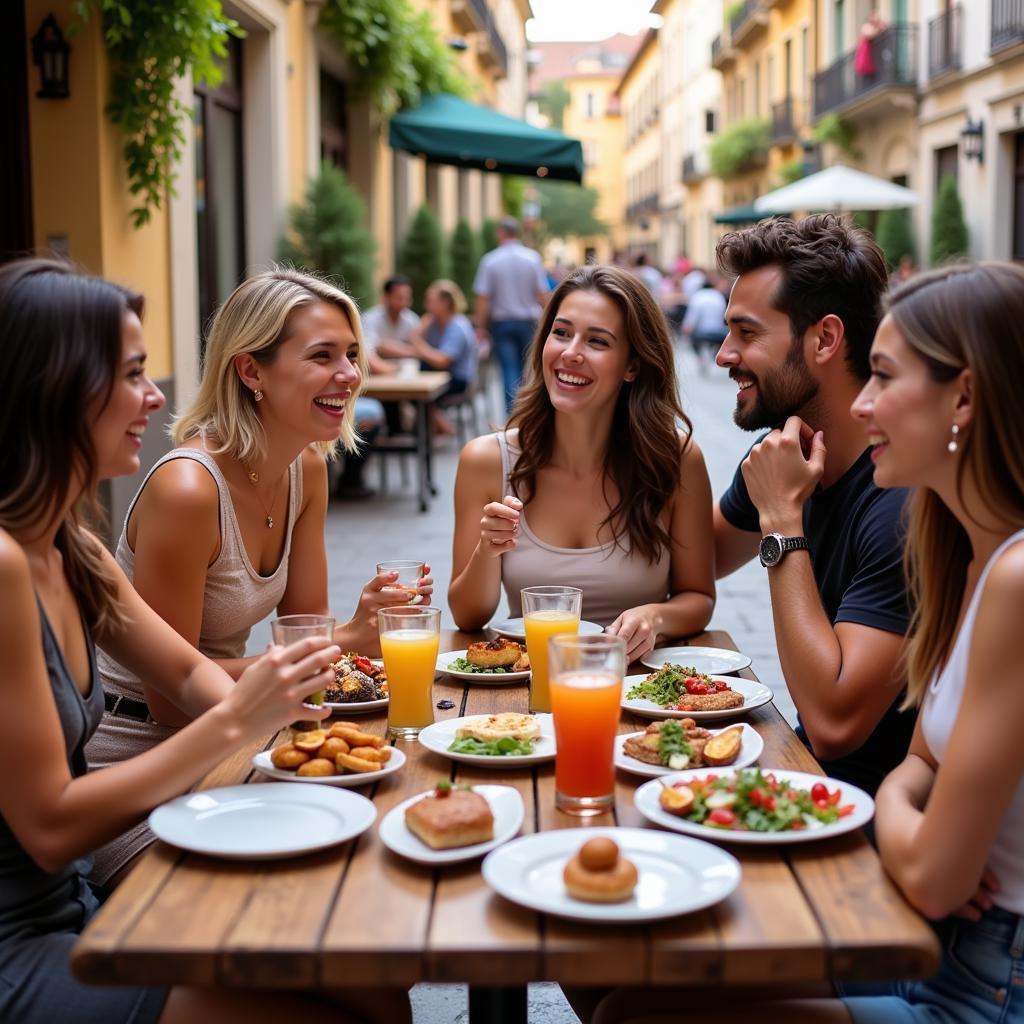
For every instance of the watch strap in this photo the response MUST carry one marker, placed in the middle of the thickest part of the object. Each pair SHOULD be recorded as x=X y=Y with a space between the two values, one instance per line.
x=795 y=544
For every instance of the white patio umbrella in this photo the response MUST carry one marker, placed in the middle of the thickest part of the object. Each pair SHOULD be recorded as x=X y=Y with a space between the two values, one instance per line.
x=837 y=188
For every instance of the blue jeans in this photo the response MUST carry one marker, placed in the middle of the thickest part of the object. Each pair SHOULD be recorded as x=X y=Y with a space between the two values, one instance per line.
x=511 y=340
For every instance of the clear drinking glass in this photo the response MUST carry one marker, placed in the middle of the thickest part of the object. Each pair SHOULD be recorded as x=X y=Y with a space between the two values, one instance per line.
x=586 y=690
x=547 y=612
x=289 y=628
x=409 y=574
x=409 y=641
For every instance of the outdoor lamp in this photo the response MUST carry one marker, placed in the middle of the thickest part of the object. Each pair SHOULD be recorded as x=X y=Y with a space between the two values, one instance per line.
x=50 y=54
x=974 y=140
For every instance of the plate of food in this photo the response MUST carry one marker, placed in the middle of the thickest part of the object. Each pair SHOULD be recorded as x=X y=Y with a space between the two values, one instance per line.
x=754 y=805
x=615 y=875
x=676 y=691
x=513 y=628
x=491 y=662
x=506 y=740
x=672 y=744
x=449 y=824
x=713 y=661
x=262 y=822
x=360 y=685
x=343 y=755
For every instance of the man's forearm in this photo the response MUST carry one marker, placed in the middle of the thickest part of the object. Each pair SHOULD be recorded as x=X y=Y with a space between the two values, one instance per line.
x=482 y=313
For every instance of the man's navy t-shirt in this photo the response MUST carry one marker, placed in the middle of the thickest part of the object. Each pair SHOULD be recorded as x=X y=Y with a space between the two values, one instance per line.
x=856 y=535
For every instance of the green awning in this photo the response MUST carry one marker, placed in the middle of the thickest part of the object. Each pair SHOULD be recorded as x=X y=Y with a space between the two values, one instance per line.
x=449 y=130
x=744 y=214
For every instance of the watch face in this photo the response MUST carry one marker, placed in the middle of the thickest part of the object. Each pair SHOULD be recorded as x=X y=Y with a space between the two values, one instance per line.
x=771 y=550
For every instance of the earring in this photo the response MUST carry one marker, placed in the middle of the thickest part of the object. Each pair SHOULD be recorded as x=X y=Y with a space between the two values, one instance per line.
x=257 y=395
x=952 y=446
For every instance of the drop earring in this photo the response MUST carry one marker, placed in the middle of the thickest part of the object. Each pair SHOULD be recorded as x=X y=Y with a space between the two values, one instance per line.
x=952 y=446
x=257 y=395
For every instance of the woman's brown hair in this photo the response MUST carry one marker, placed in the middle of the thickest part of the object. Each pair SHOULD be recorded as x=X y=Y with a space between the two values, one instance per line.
x=643 y=458
x=60 y=348
x=968 y=316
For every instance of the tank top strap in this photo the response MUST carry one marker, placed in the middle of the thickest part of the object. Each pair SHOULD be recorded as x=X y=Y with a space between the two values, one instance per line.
x=509 y=457
x=967 y=629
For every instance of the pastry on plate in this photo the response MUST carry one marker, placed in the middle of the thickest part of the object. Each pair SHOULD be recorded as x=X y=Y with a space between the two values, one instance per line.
x=499 y=653
x=599 y=874
x=509 y=724
x=448 y=818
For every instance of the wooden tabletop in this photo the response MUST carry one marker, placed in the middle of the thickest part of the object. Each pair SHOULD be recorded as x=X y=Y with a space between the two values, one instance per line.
x=425 y=386
x=360 y=915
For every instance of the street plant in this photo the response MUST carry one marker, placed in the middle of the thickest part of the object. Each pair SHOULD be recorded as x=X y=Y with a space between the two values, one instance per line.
x=792 y=171
x=421 y=256
x=489 y=235
x=843 y=135
x=739 y=147
x=949 y=232
x=513 y=195
x=464 y=256
x=327 y=233
x=895 y=236
x=567 y=210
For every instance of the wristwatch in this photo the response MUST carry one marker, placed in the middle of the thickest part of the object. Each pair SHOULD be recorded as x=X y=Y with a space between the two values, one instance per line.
x=774 y=546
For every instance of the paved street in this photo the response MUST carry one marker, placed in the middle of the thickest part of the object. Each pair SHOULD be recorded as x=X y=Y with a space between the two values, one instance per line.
x=361 y=533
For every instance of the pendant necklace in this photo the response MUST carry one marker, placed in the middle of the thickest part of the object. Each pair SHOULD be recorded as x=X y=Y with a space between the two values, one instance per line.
x=254 y=479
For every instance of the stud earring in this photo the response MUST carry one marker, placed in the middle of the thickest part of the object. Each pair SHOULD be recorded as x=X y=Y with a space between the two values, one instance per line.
x=257 y=395
x=952 y=446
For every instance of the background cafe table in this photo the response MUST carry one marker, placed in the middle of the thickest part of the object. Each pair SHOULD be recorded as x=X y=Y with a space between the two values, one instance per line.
x=359 y=915
x=421 y=389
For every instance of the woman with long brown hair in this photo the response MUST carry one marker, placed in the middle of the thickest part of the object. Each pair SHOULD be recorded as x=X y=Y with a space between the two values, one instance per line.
x=596 y=481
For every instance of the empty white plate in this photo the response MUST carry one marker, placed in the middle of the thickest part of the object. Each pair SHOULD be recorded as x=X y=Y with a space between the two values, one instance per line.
x=506 y=806
x=673 y=878
x=262 y=822
x=751 y=746
x=513 y=628
x=710 y=661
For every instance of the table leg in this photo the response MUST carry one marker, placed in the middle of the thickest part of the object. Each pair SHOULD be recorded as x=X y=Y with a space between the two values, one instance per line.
x=423 y=453
x=430 y=451
x=494 y=1005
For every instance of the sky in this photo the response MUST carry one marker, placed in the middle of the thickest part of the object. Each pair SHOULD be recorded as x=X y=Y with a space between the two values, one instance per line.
x=585 y=20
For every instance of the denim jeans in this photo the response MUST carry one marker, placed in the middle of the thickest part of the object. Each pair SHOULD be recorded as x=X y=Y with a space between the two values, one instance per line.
x=511 y=340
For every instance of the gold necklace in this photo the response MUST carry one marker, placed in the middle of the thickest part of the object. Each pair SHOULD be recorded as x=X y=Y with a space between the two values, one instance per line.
x=254 y=479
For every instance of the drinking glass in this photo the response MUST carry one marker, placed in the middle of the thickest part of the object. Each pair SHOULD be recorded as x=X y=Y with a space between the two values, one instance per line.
x=409 y=574
x=289 y=628
x=586 y=690
x=547 y=612
x=409 y=640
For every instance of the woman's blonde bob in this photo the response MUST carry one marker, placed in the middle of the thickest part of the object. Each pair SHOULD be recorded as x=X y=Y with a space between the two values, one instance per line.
x=451 y=291
x=254 y=321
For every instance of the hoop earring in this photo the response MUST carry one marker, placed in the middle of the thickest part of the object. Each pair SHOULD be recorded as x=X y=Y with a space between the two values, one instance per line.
x=257 y=395
x=952 y=446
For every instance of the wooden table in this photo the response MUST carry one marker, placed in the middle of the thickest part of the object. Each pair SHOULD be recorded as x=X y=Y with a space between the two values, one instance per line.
x=421 y=389
x=359 y=915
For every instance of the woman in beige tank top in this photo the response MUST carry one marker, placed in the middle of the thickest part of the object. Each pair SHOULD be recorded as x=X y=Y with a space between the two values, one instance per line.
x=597 y=482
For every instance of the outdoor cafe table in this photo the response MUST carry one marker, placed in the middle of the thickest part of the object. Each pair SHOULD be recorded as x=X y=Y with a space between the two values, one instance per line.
x=421 y=389
x=359 y=915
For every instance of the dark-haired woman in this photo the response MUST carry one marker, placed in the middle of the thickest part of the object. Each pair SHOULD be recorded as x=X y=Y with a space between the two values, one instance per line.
x=597 y=482
x=76 y=402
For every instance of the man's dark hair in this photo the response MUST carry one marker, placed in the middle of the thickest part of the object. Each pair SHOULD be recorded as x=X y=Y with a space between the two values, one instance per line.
x=395 y=282
x=827 y=267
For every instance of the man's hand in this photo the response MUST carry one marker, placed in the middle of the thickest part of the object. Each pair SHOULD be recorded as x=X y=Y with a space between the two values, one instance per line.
x=782 y=472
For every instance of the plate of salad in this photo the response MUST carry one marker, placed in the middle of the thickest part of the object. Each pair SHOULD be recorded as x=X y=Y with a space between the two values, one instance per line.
x=505 y=752
x=680 y=691
x=754 y=805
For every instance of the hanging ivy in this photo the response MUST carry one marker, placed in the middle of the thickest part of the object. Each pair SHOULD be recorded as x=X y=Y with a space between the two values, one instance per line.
x=151 y=43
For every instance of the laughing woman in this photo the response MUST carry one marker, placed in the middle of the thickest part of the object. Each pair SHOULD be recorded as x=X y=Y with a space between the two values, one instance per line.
x=229 y=526
x=597 y=482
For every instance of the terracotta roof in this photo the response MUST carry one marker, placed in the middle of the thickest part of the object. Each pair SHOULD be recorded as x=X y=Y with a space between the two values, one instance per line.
x=558 y=59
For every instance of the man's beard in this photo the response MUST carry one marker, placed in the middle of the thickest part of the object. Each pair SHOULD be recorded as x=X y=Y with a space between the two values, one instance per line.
x=781 y=393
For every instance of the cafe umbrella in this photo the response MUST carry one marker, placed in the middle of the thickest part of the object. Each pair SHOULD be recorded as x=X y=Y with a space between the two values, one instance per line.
x=837 y=188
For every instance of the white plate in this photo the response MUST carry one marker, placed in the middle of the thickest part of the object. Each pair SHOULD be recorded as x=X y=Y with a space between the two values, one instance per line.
x=674 y=878
x=646 y=800
x=485 y=678
x=506 y=805
x=358 y=707
x=751 y=746
x=709 y=661
x=513 y=628
x=439 y=736
x=261 y=762
x=754 y=694
x=262 y=822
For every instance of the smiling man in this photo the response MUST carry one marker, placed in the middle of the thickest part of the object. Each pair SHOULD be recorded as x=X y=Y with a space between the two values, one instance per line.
x=801 y=317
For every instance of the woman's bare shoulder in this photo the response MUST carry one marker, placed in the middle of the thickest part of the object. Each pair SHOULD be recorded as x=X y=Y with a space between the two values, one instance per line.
x=482 y=453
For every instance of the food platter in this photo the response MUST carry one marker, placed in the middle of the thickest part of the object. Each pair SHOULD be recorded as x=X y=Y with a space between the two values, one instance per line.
x=513 y=628
x=363 y=707
x=262 y=763
x=754 y=696
x=707 y=660
x=439 y=736
x=482 y=678
x=751 y=747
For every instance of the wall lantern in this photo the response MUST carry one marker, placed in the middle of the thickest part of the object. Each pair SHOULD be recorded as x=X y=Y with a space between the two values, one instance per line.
x=974 y=140
x=50 y=54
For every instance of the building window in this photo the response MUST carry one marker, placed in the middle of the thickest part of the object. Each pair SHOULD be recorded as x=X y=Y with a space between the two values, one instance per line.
x=590 y=105
x=709 y=122
x=1018 y=196
x=333 y=121
x=947 y=160
x=838 y=29
x=220 y=184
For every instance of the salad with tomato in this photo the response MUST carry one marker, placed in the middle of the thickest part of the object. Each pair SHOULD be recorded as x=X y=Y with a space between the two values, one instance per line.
x=750 y=800
x=672 y=682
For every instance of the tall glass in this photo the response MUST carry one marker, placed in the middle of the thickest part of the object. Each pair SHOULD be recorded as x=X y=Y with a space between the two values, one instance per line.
x=409 y=640
x=289 y=628
x=586 y=690
x=547 y=612
x=409 y=574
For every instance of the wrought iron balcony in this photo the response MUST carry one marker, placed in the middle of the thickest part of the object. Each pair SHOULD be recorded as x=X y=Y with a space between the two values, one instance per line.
x=784 y=121
x=692 y=170
x=747 y=20
x=1007 y=23
x=494 y=50
x=722 y=53
x=945 y=39
x=893 y=53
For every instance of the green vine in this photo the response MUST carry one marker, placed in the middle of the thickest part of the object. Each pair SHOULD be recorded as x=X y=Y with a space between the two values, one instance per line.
x=740 y=147
x=150 y=44
x=832 y=128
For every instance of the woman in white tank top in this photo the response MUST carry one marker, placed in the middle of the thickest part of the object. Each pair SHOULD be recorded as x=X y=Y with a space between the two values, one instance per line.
x=597 y=482
x=943 y=412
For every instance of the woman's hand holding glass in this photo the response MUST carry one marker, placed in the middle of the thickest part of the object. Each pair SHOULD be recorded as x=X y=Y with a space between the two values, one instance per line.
x=499 y=525
x=361 y=633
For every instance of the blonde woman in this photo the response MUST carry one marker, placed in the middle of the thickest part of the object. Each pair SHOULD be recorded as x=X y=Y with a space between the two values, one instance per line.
x=229 y=526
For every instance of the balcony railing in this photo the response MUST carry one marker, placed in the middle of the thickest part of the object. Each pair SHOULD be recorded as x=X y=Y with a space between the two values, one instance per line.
x=893 y=55
x=498 y=50
x=784 y=120
x=1007 y=23
x=692 y=170
x=740 y=18
x=716 y=49
x=944 y=42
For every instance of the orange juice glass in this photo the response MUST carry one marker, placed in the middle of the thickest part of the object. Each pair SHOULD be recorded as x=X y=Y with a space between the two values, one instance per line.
x=409 y=641
x=586 y=691
x=547 y=612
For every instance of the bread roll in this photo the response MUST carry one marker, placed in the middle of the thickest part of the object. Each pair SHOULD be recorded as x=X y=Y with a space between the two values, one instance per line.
x=460 y=818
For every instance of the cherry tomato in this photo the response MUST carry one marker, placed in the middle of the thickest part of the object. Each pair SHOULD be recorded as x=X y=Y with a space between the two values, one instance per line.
x=796 y=825
x=722 y=816
x=769 y=803
x=756 y=797
x=819 y=791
